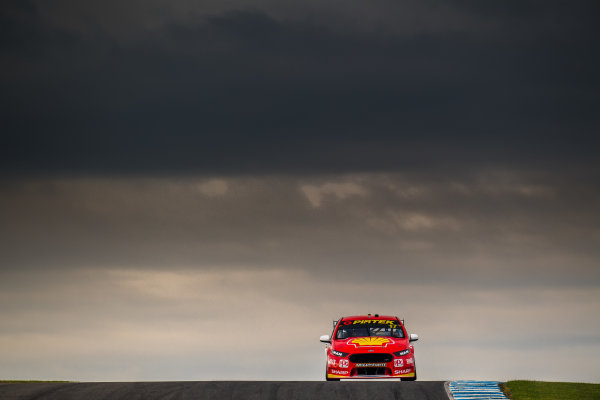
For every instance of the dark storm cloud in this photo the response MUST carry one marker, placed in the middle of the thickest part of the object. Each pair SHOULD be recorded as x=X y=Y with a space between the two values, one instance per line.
x=494 y=228
x=443 y=86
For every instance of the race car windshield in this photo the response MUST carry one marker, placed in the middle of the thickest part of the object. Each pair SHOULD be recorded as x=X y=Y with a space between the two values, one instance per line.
x=371 y=329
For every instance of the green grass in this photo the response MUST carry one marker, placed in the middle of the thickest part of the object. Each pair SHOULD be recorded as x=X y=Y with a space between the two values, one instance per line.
x=535 y=390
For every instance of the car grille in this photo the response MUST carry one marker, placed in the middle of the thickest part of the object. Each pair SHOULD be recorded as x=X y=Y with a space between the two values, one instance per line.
x=370 y=358
x=371 y=371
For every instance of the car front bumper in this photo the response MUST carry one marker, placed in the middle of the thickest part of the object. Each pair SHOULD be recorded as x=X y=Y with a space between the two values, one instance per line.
x=397 y=368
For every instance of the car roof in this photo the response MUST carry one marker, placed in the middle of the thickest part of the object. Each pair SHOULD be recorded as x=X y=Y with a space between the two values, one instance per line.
x=352 y=317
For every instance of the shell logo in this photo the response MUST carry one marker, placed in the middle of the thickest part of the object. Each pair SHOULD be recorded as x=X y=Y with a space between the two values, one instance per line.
x=370 y=341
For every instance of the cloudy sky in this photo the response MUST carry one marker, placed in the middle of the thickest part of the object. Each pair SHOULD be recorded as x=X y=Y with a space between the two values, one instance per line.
x=195 y=190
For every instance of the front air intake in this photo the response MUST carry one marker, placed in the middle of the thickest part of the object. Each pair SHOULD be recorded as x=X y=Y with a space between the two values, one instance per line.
x=371 y=372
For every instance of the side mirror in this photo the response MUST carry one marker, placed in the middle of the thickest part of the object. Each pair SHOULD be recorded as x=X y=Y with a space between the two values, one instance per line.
x=413 y=337
x=325 y=339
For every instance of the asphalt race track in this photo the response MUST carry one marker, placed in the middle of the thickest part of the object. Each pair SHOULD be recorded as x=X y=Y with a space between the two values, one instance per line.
x=233 y=390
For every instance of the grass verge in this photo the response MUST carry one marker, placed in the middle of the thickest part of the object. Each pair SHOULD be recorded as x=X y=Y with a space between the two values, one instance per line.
x=535 y=390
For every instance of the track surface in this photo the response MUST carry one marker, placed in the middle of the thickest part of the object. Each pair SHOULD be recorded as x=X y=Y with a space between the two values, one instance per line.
x=218 y=390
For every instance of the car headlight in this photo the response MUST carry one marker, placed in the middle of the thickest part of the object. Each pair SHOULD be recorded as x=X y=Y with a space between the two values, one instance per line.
x=339 y=353
x=402 y=353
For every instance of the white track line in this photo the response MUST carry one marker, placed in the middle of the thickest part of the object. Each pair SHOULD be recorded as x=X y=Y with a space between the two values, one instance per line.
x=476 y=390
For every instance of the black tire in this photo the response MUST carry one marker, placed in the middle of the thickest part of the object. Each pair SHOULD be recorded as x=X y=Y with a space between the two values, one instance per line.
x=328 y=379
x=414 y=378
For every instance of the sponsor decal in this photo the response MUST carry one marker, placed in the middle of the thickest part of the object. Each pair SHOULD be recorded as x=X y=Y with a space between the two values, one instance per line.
x=338 y=372
x=362 y=365
x=410 y=361
x=370 y=341
x=401 y=371
x=391 y=322
x=331 y=361
x=343 y=363
x=398 y=363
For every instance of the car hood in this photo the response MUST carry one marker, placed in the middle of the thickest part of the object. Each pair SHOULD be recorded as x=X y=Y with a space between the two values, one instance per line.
x=371 y=344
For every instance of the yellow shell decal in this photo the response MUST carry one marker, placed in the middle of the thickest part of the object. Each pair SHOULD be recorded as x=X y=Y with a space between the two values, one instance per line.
x=370 y=341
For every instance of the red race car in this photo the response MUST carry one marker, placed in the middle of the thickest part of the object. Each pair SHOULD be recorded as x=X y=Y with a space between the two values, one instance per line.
x=370 y=346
